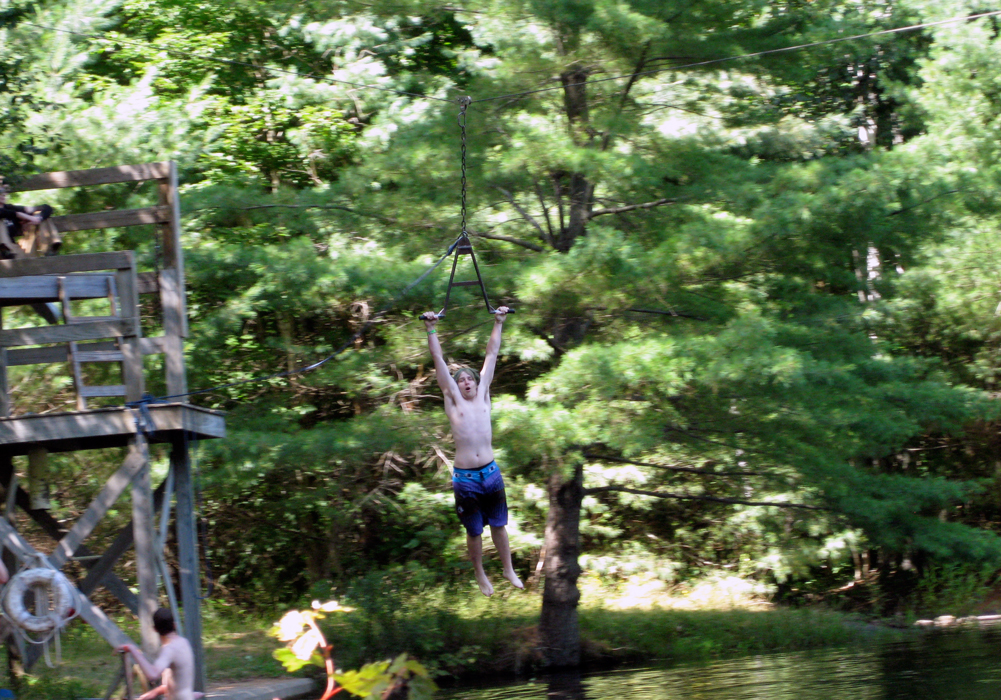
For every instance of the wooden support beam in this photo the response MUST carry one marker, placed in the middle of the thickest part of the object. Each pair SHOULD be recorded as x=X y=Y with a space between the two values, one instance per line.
x=38 y=478
x=106 y=391
x=116 y=485
x=45 y=288
x=59 y=353
x=100 y=571
x=128 y=300
x=85 y=330
x=172 y=302
x=4 y=389
x=12 y=540
x=99 y=356
x=66 y=264
x=187 y=553
x=104 y=427
x=111 y=219
x=172 y=250
x=95 y=176
x=144 y=543
x=54 y=530
x=149 y=283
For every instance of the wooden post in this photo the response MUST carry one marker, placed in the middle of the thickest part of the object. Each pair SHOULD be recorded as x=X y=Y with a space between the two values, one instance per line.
x=144 y=542
x=132 y=363
x=172 y=253
x=187 y=546
x=38 y=478
x=172 y=303
x=4 y=390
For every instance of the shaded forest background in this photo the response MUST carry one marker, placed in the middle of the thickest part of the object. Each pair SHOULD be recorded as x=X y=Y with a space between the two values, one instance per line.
x=772 y=279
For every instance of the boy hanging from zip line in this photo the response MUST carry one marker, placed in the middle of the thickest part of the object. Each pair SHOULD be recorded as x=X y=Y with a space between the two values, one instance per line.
x=476 y=479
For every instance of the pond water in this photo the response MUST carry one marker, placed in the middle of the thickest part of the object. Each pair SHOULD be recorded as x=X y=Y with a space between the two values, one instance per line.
x=934 y=666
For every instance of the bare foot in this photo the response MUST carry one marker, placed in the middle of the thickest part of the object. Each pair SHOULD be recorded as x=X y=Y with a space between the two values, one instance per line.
x=486 y=588
x=513 y=578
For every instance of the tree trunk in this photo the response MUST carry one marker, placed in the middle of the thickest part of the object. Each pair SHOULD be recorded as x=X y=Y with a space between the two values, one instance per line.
x=580 y=191
x=559 y=633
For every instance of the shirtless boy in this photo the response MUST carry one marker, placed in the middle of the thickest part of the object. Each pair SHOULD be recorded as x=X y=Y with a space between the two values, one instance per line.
x=176 y=661
x=476 y=478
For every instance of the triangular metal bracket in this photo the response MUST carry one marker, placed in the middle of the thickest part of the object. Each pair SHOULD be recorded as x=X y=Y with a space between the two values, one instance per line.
x=463 y=246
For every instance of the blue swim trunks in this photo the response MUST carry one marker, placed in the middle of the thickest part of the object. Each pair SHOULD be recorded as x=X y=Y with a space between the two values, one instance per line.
x=480 y=498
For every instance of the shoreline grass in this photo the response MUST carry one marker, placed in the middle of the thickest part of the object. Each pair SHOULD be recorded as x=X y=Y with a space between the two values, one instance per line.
x=457 y=634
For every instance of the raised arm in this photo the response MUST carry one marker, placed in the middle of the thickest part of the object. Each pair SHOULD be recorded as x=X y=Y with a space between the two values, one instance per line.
x=445 y=381
x=30 y=218
x=493 y=347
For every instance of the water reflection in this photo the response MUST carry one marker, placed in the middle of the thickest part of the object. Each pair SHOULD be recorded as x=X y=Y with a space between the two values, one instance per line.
x=566 y=686
x=951 y=666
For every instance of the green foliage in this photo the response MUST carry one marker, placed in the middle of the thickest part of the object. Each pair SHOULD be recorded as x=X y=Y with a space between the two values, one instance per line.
x=306 y=645
x=776 y=273
x=705 y=635
x=952 y=589
x=372 y=680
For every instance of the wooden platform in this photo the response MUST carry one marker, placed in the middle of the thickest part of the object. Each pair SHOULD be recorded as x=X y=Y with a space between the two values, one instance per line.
x=106 y=427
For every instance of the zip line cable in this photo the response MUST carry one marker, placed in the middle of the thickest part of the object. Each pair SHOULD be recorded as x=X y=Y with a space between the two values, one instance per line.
x=288 y=373
x=696 y=64
x=767 y=52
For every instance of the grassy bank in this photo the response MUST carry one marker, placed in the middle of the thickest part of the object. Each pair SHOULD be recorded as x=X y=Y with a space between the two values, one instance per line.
x=457 y=632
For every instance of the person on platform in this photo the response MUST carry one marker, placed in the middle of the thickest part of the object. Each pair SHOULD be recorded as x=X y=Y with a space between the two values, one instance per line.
x=13 y=218
x=476 y=479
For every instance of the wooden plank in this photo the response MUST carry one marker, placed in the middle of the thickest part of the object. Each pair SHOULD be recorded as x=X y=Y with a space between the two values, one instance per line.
x=95 y=176
x=172 y=249
x=99 y=356
x=114 y=218
x=38 y=477
x=148 y=283
x=132 y=365
x=187 y=553
x=49 y=355
x=95 y=617
x=12 y=490
x=66 y=264
x=173 y=329
x=77 y=371
x=144 y=543
x=114 y=488
x=105 y=426
x=108 y=390
x=45 y=288
x=86 y=330
x=64 y=301
x=4 y=389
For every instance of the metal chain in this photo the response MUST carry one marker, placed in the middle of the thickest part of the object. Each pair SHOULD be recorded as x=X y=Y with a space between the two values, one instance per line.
x=464 y=102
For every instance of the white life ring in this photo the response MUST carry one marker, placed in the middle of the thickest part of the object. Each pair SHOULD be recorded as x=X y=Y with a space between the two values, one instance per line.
x=60 y=593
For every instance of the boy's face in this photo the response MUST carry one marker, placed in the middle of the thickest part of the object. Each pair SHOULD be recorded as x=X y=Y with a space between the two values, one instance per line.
x=467 y=385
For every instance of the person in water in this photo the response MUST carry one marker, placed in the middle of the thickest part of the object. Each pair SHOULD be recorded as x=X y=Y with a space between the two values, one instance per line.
x=476 y=479
x=175 y=662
